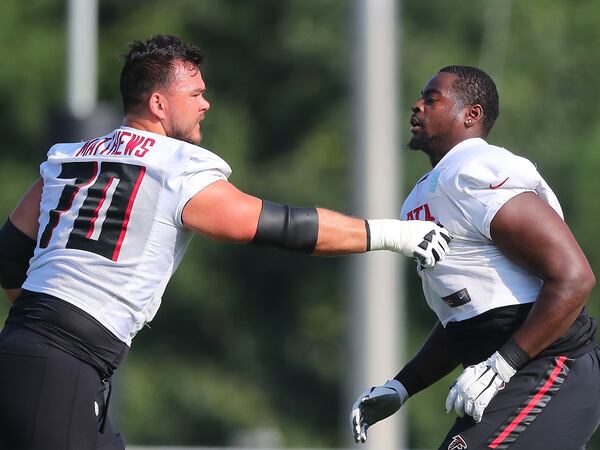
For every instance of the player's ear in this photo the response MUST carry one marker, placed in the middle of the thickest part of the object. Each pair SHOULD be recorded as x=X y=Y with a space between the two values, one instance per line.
x=157 y=104
x=473 y=115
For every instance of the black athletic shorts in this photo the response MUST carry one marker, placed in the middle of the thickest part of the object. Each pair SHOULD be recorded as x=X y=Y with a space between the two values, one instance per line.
x=55 y=367
x=553 y=403
x=49 y=400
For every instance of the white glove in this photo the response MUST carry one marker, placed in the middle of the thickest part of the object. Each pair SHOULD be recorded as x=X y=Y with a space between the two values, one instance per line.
x=424 y=241
x=376 y=404
x=477 y=385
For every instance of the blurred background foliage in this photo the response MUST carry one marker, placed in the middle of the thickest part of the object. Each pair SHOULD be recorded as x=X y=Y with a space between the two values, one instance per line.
x=252 y=340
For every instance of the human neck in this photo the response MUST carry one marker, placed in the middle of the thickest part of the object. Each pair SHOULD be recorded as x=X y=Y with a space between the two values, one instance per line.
x=438 y=152
x=144 y=124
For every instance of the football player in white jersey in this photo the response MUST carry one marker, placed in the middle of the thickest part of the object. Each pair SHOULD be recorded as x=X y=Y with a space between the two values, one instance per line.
x=510 y=296
x=88 y=251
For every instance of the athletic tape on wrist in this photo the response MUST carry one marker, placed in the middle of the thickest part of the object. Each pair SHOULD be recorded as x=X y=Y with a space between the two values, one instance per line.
x=513 y=354
x=368 y=230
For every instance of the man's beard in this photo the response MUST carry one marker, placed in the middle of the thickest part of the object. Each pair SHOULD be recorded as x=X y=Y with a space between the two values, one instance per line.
x=186 y=136
x=423 y=141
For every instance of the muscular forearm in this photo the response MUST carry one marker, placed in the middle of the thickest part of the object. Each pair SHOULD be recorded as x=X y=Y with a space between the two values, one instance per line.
x=433 y=362
x=339 y=234
x=557 y=306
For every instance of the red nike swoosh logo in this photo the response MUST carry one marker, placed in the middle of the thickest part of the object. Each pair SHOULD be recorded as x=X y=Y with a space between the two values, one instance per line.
x=498 y=185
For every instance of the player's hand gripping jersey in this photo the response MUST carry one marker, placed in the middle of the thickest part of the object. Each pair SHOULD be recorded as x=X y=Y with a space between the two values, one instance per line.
x=463 y=192
x=110 y=230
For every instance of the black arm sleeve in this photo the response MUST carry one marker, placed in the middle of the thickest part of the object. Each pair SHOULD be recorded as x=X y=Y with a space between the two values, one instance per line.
x=16 y=249
x=433 y=362
x=288 y=227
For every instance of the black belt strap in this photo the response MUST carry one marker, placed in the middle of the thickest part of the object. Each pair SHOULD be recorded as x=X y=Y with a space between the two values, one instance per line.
x=70 y=329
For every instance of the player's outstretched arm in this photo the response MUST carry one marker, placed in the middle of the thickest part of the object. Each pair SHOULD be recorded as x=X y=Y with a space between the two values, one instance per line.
x=340 y=234
x=17 y=241
x=430 y=364
x=223 y=212
x=533 y=235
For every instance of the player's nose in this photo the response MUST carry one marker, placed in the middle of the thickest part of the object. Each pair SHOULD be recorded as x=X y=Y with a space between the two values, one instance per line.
x=205 y=106
x=417 y=107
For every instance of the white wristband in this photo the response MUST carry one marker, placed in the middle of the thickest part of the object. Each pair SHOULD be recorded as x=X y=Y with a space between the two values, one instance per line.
x=380 y=229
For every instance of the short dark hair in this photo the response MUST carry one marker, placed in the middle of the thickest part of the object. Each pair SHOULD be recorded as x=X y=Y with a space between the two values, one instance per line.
x=149 y=65
x=474 y=86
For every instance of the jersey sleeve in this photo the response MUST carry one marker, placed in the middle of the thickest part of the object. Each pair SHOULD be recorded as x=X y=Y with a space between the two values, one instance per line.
x=485 y=184
x=203 y=169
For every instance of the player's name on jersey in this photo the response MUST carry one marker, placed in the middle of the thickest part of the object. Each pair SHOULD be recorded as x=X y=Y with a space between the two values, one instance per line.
x=120 y=143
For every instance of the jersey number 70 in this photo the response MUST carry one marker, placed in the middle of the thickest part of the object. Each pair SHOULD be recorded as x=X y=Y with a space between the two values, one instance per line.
x=102 y=219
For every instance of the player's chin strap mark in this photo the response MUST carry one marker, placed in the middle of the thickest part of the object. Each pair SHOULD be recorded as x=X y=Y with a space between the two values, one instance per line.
x=288 y=227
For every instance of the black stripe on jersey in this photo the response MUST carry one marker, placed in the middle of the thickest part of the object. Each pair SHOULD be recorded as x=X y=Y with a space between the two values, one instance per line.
x=82 y=174
x=127 y=178
x=532 y=406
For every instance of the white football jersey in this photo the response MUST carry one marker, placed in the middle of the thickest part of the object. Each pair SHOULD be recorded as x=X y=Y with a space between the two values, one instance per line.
x=110 y=230
x=463 y=192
